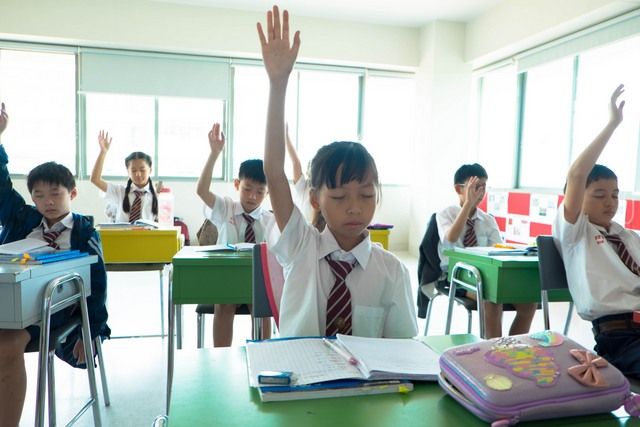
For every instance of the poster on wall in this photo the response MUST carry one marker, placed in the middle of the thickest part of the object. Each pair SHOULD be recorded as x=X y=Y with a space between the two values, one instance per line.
x=517 y=230
x=543 y=208
x=497 y=203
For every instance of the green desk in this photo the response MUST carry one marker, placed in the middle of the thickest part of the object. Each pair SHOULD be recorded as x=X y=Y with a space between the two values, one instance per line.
x=212 y=389
x=205 y=278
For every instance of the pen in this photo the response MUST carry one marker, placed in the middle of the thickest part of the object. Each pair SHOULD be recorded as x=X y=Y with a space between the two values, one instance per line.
x=349 y=358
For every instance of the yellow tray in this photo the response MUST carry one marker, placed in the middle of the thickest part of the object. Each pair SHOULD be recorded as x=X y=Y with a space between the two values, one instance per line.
x=139 y=246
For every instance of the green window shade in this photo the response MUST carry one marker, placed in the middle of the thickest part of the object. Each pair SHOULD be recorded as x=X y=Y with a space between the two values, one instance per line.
x=143 y=73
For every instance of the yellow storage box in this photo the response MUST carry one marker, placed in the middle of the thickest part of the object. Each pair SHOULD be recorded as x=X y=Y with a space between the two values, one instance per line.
x=380 y=236
x=140 y=245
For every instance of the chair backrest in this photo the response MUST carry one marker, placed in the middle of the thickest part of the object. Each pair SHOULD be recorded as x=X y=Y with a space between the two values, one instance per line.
x=268 y=282
x=429 y=262
x=550 y=265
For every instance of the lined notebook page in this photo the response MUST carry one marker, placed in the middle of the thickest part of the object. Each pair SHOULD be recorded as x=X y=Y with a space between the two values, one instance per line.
x=402 y=358
x=309 y=359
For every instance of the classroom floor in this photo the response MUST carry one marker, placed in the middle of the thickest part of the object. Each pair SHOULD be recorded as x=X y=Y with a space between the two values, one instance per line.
x=136 y=367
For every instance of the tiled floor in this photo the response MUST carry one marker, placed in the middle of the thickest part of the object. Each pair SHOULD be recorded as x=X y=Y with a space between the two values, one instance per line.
x=136 y=367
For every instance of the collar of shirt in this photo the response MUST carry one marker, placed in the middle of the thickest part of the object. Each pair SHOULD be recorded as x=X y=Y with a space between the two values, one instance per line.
x=329 y=245
x=255 y=214
x=136 y=188
x=614 y=228
x=66 y=222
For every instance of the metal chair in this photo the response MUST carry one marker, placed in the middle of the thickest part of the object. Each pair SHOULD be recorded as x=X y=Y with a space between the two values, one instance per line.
x=160 y=421
x=552 y=276
x=473 y=276
x=48 y=341
x=268 y=281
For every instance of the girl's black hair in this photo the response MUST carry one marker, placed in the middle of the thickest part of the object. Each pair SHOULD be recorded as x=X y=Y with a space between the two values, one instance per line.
x=126 y=206
x=351 y=159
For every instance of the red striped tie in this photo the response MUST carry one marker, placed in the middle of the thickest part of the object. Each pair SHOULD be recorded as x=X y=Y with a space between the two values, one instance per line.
x=136 y=208
x=249 y=233
x=470 y=238
x=339 y=302
x=623 y=253
x=51 y=236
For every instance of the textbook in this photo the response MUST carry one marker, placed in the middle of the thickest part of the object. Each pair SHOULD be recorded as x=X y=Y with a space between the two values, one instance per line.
x=502 y=250
x=239 y=247
x=141 y=223
x=333 y=389
x=27 y=245
x=318 y=360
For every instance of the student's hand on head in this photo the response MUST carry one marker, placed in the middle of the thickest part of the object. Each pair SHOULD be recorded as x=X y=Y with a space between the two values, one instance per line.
x=615 y=109
x=104 y=140
x=277 y=53
x=4 y=118
x=475 y=193
x=216 y=138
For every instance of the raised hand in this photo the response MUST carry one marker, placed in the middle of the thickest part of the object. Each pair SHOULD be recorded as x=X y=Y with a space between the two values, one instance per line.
x=277 y=53
x=216 y=138
x=104 y=140
x=4 y=118
x=615 y=109
x=474 y=191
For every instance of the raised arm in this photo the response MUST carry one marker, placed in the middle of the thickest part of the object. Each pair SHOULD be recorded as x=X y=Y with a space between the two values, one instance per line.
x=293 y=155
x=216 y=143
x=473 y=196
x=96 y=174
x=278 y=56
x=581 y=167
x=4 y=119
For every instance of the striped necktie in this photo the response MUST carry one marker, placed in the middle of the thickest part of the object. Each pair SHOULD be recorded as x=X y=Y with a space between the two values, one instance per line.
x=470 y=238
x=623 y=253
x=249 y=232
x=136 y=208
x=339 y=302
x=51 y=236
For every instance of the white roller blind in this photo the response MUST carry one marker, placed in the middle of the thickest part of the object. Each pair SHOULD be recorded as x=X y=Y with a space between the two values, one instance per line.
x=142 y=73
x=610 y=31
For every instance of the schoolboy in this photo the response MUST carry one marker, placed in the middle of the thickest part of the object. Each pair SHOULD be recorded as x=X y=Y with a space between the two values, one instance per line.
x=601 y=256
x=237 y=221
x=52 y=188
x=466 y=225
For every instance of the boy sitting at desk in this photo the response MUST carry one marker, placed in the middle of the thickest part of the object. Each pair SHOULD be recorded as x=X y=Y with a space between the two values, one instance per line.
x=465 y=225
x=601 y=256
x=243 y=221
x=52 y=187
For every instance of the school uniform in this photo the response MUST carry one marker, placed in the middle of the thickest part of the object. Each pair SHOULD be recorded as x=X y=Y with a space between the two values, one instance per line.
x=20 y=220
x=485 y=227
x=604 y=290
x=227 y=216
x=115 y=195
x=379 y=284
x=301 y=197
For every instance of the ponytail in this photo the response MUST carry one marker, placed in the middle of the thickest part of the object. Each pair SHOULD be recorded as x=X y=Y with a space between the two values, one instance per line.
x=125 y=201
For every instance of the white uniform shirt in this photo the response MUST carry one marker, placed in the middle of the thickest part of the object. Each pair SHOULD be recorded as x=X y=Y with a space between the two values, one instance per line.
x=380 y=286
x=599 y=282
x=64 y=239
x=301 y=197
x=115 y=195
x=485 y=226
x=226 y=214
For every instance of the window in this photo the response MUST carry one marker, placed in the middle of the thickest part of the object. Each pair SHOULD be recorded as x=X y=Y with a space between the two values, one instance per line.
x=389 y=123
x=546 y=127
x=600 y=72
x=39 y=92
x=497 y=126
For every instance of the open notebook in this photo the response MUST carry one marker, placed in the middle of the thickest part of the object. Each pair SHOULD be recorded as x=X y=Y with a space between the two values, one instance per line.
x=312 y=361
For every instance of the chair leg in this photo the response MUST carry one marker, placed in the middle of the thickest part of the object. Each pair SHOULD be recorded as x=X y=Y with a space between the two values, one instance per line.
x=469 y=320
x=200 y=330
x=567 y=322
x=428 y=316
x=103 y=374
x=51 y=390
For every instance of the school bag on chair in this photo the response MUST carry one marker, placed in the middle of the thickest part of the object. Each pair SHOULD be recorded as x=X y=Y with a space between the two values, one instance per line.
x=532 y=377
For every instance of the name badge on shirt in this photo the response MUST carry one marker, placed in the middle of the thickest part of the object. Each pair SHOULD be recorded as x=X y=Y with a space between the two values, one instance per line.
x=600 y=239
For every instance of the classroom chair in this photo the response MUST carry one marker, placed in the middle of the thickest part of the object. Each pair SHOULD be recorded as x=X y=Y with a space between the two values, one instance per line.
x=48 y=341
x=160 y=421
x=430 y=277
x=207 y=234
x=268 y=282
x=552 y=276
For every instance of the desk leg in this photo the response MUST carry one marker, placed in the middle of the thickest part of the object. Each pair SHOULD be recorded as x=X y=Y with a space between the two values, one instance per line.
x=179 y=326
x=170 y=352
x=162 y=302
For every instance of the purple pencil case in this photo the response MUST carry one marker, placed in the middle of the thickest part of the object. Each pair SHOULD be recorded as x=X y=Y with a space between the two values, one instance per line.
x=532 y=377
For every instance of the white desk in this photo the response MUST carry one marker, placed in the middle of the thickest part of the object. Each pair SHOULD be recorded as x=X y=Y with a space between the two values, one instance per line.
x=22 y=287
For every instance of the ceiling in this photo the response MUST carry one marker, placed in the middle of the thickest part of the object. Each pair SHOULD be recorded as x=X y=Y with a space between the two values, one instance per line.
x=411 y=13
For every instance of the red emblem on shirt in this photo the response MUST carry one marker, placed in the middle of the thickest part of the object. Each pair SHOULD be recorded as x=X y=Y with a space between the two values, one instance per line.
x=600 y=239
